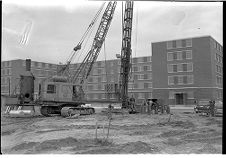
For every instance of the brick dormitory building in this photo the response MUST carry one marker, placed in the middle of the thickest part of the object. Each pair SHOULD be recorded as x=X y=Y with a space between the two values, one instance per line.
x=179 y=71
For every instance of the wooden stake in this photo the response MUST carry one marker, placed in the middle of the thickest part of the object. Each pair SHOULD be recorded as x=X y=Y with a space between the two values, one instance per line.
x=96 y=130
x=169 y=118
x=109 y=127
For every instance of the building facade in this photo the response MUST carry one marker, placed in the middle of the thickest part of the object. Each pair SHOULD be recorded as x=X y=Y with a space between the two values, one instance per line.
x=11 y=71
x=101 y=85
x=185 y=70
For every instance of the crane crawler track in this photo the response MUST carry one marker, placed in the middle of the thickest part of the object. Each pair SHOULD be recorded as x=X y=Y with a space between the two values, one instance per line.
x=70 y=111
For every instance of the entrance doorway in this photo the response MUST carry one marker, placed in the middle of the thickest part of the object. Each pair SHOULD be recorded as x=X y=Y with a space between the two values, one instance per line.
x=179 y=98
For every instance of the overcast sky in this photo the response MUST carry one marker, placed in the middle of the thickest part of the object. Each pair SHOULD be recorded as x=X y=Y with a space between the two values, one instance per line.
x=57 y=26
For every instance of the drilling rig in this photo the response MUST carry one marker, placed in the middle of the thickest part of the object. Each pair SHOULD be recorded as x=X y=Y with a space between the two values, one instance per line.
x=126 y=53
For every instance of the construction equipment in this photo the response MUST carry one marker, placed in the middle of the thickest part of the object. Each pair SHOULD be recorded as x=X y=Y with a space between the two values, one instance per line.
x=60 y=94
x=126 y=53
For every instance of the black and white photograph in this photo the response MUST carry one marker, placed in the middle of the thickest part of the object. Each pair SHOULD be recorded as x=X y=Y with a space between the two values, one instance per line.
x=87 y=77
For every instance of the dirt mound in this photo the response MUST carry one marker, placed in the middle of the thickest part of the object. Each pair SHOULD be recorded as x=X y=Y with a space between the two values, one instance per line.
x=4 y=133
x=213 y=121
x=137 y=147
x=208 y=149
x=186 y=124
x=173 y=133
x=213 y=137
x=24 y=146
x=173 y=142
x=47 y=145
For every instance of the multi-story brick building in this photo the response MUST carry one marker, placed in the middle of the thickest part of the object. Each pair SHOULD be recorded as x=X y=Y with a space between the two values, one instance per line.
x=187 y=69
x=101 y=83
x=11 y=71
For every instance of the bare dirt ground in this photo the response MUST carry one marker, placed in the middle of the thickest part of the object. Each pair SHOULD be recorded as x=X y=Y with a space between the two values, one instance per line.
x=185 y=133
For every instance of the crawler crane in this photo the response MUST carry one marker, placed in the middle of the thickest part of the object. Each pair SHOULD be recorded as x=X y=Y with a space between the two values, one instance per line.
x=59 y=94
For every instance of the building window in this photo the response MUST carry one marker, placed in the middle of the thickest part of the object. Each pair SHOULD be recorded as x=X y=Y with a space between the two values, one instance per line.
x=136 y=77
x=39 y=65
x=90 y=87
x=99 y=64
x=146 y=68
x=146 y=85
x=189 y=67
x=146 y=76
x=219 y=80
x=185 y=79
x=169 y=44
x=184 y=67
x=179 y=68
x=180 y=80
x=150 y=85
x=170 y=56
x=170 y=68
x=188 y=54
x=188 y=42
x=135 y=86
x=171 y=94
x=135 y=60
x=190 y=79
x=99 y=71
x=170 y=80
x=135 y=69
x=51 y=88
x=175 y=80
x=179 y=43
x=179 y=55
x=174 y=44
x=98 y=79
x=174 y=68
x=174 y=56
x=145 y=59
x=99 y=87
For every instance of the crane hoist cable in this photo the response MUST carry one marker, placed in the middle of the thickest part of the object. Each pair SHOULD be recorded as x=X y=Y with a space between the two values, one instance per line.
x=87 y=63
x=78 y=47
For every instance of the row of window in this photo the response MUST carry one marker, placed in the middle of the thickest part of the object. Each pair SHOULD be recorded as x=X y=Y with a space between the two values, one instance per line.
x=6 y=64
x=4 y=88
x=219 y=80
x=142 y=76
x=180 y=80
x=145 y=95
x=141 y=60
x=112 y=63
x=141 y=68
x=218 y=58
x=112 y=87
x=181 y=67
x=43 y=73
x=41 y=65
x=217 y=46
x=6 y=71
x=145 y=85
x=179 y=43
x=5 y=80
x=98 y=79
x=179 y=55
x=219 y=69
x=219 y=94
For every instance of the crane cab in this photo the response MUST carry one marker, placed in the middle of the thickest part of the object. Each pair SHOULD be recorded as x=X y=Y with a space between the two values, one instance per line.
x=60 y=90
